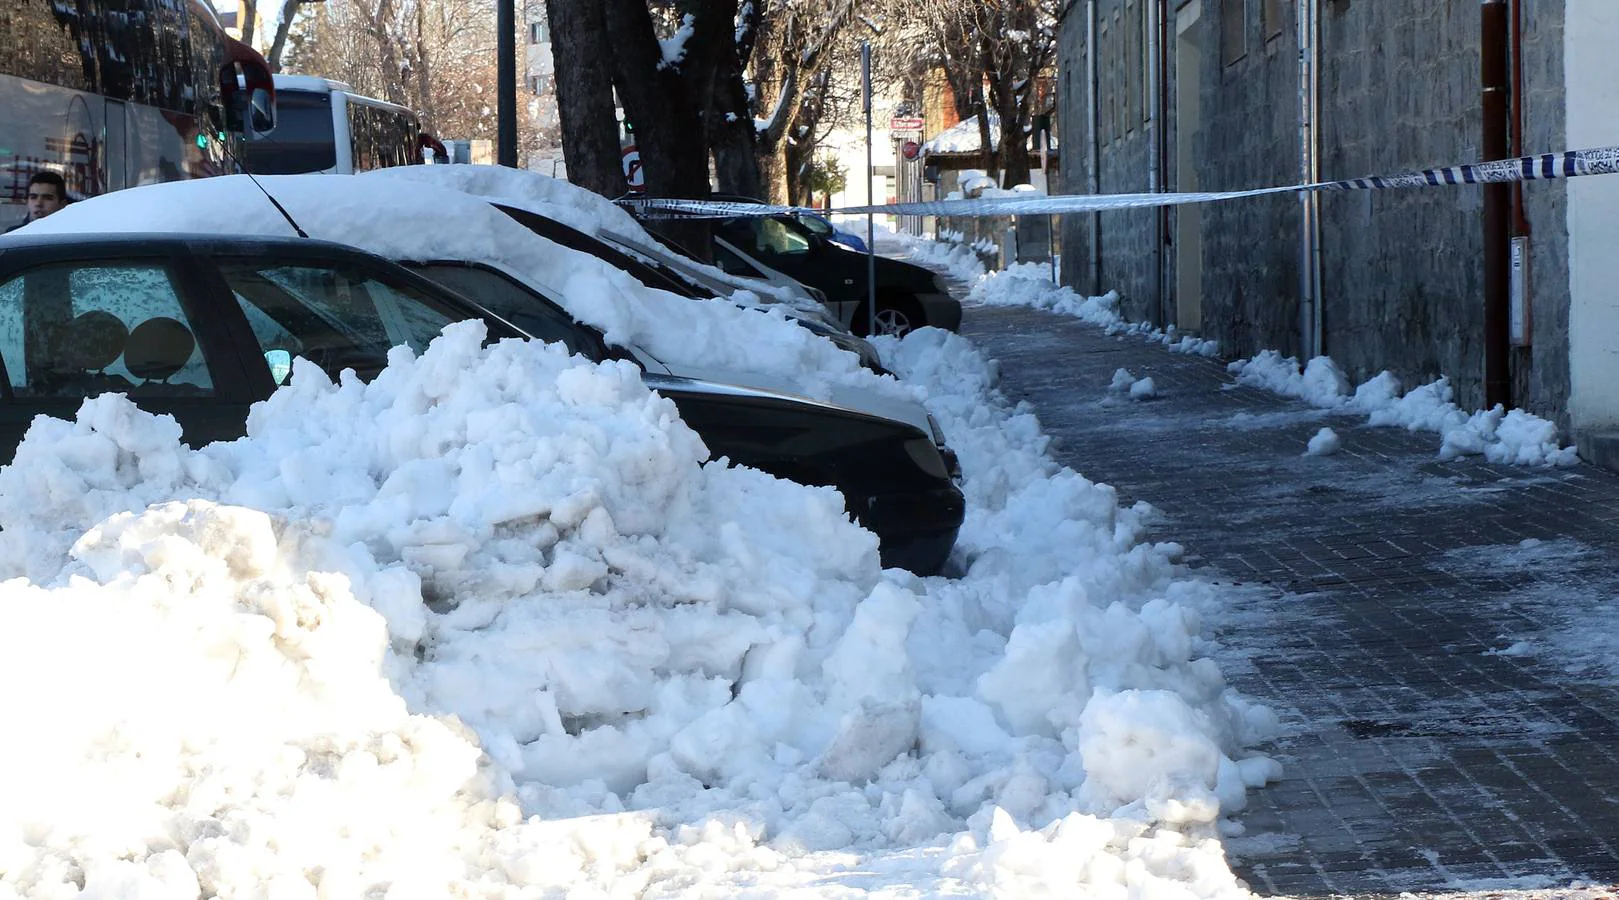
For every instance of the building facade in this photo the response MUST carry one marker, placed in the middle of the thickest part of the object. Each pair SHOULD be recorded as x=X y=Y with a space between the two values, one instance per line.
x=1214 y=95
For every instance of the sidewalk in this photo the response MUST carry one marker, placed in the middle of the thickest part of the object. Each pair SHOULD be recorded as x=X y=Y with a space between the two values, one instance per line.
x=1440 y=639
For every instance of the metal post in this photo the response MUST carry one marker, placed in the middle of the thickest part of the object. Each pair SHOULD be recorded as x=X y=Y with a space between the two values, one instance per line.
x=1093 y=148
x=506 y=74
x=1309 y=31
x=1495 y=144
x=871 y=218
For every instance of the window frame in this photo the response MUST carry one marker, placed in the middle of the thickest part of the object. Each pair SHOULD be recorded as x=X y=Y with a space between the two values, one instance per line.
x=215 y=334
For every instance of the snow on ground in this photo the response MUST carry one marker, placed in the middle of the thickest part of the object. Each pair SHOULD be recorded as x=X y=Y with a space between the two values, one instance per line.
x=490 y=626
x=1499 y=435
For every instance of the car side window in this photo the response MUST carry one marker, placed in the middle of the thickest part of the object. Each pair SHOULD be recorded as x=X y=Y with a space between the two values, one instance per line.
x=516 y=304
x=81 y=329
x=773 y=238
x=335 y=316
x=731 y=264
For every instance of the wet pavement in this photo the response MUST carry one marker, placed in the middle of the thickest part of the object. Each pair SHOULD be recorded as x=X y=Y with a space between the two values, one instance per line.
x=1440 y=639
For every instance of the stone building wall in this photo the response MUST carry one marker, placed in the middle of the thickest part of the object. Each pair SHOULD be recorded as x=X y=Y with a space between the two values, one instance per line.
x=1401 y=270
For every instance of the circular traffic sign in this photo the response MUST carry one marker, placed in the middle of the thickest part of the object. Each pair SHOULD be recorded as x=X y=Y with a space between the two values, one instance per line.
x=633 y=173
x=910 y=149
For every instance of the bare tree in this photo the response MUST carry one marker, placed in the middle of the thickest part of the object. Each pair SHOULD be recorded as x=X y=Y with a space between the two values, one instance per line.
x=991 y=53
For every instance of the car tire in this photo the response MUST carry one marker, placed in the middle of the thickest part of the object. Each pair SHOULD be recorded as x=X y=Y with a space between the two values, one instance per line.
x=897 y=315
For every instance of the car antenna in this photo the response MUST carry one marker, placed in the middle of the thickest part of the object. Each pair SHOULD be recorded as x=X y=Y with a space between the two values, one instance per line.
x=242 y=167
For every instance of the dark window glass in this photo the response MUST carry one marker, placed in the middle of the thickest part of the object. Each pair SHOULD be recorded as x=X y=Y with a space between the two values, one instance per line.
x=731 y=264
x=302 y=140
x=337 y=317
x=517 y=304
x=1233 y=30
x=381 y=137
x=78 y=331
x=1273 y=18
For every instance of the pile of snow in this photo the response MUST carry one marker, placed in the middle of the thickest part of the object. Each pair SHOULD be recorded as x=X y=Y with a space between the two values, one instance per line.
x=362 y=211
x=1126 y=384
x=1506 y=436
x=489 y=626
x=956 y=260
x=1499 y=435
x=1029 y=284
x=1325 y=442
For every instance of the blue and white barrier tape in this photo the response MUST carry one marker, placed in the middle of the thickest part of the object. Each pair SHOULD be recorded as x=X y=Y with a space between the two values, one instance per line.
x=1569 y=164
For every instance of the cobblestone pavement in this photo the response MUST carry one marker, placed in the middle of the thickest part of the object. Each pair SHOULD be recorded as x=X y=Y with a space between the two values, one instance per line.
x=1429 y=632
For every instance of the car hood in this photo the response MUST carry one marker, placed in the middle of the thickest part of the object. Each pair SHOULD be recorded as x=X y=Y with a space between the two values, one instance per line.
x=845 y=398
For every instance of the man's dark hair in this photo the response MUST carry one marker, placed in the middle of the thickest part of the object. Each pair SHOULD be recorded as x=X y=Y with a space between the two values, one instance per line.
x=51 y=178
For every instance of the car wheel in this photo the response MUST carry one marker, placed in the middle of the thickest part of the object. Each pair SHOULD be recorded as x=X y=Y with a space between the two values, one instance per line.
x=896 y=317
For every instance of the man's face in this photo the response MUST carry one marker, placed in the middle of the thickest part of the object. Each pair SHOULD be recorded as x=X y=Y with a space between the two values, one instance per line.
x=43 y=199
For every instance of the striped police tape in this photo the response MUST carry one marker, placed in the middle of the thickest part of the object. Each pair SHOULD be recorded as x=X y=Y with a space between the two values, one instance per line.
x=1569 y=164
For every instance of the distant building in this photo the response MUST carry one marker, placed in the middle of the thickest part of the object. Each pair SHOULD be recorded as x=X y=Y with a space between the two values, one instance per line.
x=1209 y=95
x=540 y=84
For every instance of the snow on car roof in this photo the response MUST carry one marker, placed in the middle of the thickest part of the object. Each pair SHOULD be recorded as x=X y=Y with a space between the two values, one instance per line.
x=427 y=221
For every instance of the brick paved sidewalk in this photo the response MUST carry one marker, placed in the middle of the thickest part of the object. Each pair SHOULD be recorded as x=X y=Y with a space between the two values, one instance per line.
x=1379 y=588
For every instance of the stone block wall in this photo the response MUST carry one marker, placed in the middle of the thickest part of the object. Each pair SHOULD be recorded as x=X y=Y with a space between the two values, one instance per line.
x=1401 y=270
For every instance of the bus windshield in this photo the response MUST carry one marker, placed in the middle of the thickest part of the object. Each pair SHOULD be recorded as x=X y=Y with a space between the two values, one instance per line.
x=303 y=140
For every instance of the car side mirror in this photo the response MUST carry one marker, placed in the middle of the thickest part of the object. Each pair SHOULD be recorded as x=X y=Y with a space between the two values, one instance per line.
x=280 y=363
x=261 y=111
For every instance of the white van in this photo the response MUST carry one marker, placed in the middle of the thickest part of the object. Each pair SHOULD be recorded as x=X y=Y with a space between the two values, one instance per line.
x=324 y=126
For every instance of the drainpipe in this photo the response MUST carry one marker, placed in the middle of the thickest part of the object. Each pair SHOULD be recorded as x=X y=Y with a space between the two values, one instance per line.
x=1495 y=144
x=1161 y=72
x=1154 y=173
x=1093 y=149
x=1311 y=338
x=1522 y=320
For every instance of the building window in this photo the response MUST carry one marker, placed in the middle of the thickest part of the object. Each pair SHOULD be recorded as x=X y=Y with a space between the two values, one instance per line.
x=1233 y=30
x=539 y=33
x=1273 y=18
x=1133 y=88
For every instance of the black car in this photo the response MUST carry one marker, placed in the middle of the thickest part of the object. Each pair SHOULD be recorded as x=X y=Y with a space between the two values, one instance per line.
x=201 y=327
x=652 y=274
x=908 y=296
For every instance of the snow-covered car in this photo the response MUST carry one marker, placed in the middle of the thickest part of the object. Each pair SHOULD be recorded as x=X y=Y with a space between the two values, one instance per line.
x=583 y=212
x=663 y=271
x=201 y=327
x=782 y=248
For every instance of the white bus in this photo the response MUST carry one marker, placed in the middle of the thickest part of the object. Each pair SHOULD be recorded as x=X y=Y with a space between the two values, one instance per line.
x=116 y=93
x=324 y=126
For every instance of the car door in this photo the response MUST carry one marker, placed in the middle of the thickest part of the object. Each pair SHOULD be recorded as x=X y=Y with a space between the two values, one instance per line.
x=117 y=322
x=341 y=313
x=805 y=257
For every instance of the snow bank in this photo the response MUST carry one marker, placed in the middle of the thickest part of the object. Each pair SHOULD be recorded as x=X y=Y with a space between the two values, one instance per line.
x=1499 y=435
x=488 y=626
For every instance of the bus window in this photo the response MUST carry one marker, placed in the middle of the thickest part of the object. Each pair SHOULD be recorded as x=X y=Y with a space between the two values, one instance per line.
x=303 y=140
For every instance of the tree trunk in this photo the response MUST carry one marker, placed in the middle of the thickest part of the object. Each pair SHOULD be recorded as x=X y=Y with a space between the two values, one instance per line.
x=732 y=136
x=775 y=176
x=279 y=44
x=247 y=16
x=981 y=110
x=668 y=131
x=585 y=95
